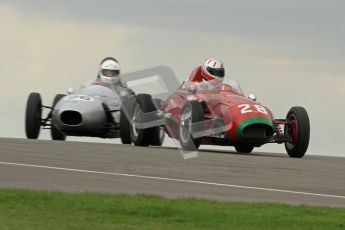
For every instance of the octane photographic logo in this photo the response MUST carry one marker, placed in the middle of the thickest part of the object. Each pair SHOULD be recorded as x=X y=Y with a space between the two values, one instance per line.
x=160 y=82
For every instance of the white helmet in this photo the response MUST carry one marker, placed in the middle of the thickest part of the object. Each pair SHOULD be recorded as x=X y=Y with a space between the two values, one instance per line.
x=212 y=69
x=109 y=70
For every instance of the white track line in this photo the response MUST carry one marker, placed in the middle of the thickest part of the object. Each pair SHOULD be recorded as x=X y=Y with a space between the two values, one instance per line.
x=175 y=180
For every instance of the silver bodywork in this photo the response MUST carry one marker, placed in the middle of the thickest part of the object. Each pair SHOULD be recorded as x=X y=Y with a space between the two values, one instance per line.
x=94 y=111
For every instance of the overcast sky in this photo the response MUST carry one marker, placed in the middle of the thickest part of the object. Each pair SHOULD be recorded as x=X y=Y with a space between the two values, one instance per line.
x=286 y=52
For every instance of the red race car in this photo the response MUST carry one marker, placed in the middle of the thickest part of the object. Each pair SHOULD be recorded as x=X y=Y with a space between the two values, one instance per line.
x=210 y=113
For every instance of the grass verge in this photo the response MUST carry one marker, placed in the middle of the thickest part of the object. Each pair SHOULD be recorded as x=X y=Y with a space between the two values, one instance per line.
x=24 y=209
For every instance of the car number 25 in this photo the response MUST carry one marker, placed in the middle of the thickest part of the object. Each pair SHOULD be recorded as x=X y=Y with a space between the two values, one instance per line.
x=246 y=108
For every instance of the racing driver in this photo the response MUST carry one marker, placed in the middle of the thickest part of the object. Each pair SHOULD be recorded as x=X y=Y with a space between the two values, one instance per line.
x=109 y=76
x=211 y=71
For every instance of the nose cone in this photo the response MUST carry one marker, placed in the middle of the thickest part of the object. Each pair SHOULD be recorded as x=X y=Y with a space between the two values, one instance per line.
x=255 y=127
x=251 y=121
x=79 y=115
x=70 y=117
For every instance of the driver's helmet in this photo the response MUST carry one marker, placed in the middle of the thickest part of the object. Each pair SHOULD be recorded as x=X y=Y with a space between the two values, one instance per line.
x=212 y=70
x=109 y=70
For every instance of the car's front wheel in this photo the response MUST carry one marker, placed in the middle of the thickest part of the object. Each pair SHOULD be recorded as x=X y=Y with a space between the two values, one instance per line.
x=33 y=116
x=298 y=129
x=191 y=113
x=244 y=148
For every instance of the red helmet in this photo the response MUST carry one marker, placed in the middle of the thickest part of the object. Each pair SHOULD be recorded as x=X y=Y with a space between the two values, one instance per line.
x=212 y=69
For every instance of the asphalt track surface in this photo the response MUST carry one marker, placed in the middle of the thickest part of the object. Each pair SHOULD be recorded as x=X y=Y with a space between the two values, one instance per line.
x=110 y=168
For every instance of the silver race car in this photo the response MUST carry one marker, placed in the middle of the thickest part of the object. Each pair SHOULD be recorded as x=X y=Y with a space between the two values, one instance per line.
x=93 y=111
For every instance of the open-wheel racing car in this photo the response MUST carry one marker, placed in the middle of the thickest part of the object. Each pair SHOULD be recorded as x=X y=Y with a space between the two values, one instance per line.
x=209 y=113
x=94 y=111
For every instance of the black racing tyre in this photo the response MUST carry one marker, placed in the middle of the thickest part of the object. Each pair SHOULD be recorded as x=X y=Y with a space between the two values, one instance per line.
x=56 y=134
x=33 y=116
x=126 y=114
x=158 y=132
x=191 y=113
x=298 y=128
x=244 y=148
x=158 y=136
x=144 y=104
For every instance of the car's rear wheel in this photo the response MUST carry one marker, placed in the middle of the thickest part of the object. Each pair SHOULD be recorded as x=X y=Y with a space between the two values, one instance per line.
x=142 y=136
x=298 y=129
x=158 y=131
x=191 y=113
x=244 y=148
x=56 y=134
x=33 y=116
x=158 y=136
x=125 y=117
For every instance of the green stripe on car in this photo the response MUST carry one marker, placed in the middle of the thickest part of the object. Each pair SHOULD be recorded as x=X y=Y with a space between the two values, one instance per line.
x=250 y=121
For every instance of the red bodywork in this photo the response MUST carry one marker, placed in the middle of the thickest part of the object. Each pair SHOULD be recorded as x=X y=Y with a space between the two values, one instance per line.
x=246 y=121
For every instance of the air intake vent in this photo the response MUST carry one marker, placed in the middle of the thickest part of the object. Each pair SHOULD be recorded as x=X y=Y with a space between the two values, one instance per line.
x=258 y=131
x=71 y=117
